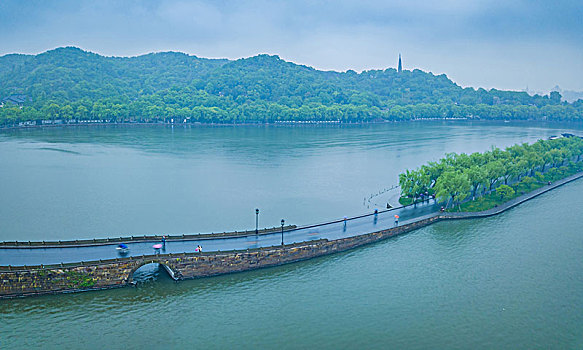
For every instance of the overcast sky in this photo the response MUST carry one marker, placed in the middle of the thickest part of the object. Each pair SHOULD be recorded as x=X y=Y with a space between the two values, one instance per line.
x=502 y=44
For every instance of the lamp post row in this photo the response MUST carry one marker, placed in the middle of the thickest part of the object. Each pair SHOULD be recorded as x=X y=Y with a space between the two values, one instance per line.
x=376 y=212
x=257 y=225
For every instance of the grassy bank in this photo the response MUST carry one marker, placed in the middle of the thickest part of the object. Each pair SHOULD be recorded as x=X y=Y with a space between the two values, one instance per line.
x=524 y=186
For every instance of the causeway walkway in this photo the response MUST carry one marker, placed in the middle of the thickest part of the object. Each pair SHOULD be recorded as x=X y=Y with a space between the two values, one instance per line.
x=21 y=256
x=355 y=226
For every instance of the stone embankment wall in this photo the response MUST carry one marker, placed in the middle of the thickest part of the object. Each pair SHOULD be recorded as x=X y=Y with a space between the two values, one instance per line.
x=23 y=281
x=34 y=280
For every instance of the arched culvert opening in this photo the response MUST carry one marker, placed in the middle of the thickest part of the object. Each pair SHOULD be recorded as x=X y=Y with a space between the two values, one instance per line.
x=152 y=271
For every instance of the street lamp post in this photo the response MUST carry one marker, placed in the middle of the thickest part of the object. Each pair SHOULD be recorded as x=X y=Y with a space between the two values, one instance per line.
x=256 y=221
x=282 y=223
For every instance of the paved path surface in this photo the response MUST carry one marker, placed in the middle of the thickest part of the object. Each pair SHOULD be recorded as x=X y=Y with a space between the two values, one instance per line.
x=335 y=230
x=394 y=196
x=352 y=227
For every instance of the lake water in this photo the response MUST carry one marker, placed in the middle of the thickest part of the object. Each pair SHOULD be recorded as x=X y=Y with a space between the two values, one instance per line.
x=510 y=281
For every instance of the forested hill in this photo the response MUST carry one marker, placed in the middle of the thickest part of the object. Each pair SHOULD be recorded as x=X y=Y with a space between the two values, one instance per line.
x=72 y=84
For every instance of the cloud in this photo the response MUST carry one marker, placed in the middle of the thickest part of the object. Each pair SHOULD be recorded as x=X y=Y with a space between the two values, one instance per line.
x=479 y=43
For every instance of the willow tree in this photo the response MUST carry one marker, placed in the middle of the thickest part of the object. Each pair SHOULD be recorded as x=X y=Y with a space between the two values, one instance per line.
x=414 y=183
x=494 y=171
x=477 y=177
x=453 y=186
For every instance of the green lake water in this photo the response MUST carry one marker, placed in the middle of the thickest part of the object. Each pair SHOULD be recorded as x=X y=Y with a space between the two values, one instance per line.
x=511 y=281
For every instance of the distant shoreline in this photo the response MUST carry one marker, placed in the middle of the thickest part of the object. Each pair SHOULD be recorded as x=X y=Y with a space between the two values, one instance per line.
x=281 y=123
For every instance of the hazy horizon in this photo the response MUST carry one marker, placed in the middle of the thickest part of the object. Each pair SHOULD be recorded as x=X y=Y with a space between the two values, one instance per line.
x=489 y=44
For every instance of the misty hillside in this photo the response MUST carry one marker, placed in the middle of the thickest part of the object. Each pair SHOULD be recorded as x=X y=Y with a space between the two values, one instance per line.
x=69 y=83
x=68 y=74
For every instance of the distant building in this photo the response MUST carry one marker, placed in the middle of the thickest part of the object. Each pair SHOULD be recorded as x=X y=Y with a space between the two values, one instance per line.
x=16 y=99
x=570 y=135
x=400 y=68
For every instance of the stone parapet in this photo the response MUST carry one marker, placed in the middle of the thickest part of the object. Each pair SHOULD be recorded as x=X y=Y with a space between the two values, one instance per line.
x=144 y=238
x=64 y=278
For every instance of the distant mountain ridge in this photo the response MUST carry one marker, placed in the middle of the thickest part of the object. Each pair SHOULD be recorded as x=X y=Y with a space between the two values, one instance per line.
x=69 y=83
x=68 y=69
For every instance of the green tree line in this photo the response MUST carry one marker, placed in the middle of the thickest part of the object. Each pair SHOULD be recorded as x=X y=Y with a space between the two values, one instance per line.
x=72 y=84
x=459 y=176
